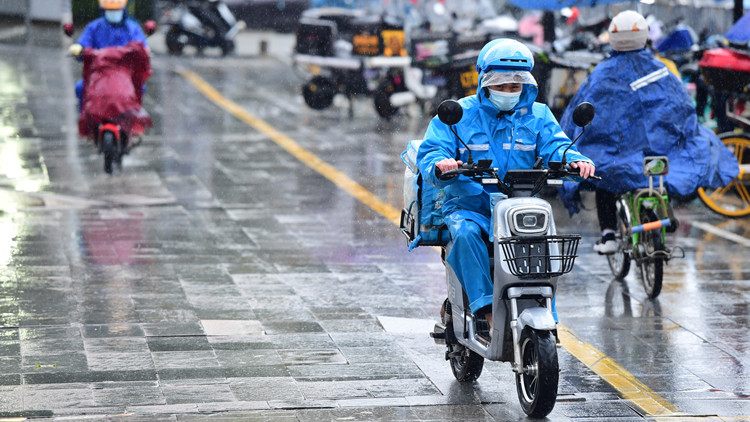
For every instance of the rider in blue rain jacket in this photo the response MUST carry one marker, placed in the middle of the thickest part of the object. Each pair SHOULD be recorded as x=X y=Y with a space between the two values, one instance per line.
x=113 y=29
x=641 y=110
x=502 y=123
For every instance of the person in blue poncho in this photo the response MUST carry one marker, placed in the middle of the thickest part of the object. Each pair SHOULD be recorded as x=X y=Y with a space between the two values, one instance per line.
x=501 y=123
x=642 y=109
x=113 y=29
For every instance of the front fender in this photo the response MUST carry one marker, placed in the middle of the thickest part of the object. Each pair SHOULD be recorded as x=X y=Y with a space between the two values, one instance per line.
x=537 y=318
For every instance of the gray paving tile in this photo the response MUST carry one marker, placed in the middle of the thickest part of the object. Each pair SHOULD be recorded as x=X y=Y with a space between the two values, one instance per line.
x=138 y=394
x=269 y=388
x=197 y=391
x=120 y=361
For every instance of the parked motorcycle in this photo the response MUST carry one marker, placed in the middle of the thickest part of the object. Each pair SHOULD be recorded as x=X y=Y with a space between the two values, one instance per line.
x=201 y=24
x=527 y=256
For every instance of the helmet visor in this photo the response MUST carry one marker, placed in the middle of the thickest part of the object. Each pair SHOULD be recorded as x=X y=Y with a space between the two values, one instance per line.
x=493 y=78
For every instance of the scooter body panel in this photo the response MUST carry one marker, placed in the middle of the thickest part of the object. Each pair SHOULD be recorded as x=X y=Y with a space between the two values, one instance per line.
x=206 y=25
x=512 y=296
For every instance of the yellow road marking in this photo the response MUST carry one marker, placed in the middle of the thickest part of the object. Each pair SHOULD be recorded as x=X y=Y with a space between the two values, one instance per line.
x=331 y=173
x=614 y=374
x=609 y=370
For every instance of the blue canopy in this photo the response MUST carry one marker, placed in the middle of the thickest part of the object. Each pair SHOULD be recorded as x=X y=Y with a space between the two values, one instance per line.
x=740 y=31
x=559 y=4
x=642 y=109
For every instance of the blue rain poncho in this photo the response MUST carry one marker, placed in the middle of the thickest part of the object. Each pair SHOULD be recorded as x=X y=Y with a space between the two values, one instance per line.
x=642 y=109
x=740 y=31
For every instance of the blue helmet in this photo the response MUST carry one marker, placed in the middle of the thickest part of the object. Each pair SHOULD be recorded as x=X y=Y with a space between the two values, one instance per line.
x=504 y=54
x=505 y=60
x=484 y=51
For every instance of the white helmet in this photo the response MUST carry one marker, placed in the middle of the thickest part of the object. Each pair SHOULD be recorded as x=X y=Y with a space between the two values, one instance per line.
x=628 y=31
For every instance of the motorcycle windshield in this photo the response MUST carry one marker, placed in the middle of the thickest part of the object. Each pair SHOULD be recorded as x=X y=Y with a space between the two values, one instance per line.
x=113 y=83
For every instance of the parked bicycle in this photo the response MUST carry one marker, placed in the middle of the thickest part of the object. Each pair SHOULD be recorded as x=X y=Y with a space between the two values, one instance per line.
x=643 y=220
x=727 y=72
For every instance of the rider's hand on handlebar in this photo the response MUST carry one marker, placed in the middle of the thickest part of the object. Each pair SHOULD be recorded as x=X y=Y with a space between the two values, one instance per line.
x=75 y=50
x=585 y=169
x=447 y=164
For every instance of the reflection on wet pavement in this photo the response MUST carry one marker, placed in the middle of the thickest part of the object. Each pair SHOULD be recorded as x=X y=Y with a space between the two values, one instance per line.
x=217 y=274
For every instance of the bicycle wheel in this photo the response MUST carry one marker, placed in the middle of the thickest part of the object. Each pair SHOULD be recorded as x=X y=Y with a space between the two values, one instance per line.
x=652 y=266
x=732 y=200
x=619 y=262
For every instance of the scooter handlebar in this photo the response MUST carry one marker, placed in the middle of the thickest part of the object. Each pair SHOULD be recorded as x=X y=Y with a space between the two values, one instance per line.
x=575 y=172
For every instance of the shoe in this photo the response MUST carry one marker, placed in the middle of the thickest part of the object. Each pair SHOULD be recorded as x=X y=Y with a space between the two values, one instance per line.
x=607 y=245
x=483 y=329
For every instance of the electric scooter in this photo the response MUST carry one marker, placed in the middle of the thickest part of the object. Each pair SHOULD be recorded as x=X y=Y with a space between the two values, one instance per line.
x=527 y=256
x=111 y=111
x=201 y=24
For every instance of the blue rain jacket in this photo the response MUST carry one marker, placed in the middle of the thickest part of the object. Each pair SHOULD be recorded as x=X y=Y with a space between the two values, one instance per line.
x=99 y=33
x=511 y=142
x=642 y=109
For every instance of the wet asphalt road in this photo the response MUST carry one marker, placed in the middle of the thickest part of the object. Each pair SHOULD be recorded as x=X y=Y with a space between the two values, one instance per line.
x=219 y=277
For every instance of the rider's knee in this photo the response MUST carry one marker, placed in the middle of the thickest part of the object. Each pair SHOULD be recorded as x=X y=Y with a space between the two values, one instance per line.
x=467 y=230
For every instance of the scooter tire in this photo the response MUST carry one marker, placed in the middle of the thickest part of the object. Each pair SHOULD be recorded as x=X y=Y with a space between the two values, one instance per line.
x=172 y=39
x=318 y=92
x=227 y=48
x=109 y=149
x=465 y=364
x=537 y=385
x=382 y=100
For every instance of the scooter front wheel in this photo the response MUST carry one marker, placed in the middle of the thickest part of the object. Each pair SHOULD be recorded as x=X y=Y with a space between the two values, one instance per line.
x=536 y=384
x=109 y=149
x=173 y=41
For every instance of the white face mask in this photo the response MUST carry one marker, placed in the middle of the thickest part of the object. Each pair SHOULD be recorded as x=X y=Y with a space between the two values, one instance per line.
x=504 y=101
x=113 y=16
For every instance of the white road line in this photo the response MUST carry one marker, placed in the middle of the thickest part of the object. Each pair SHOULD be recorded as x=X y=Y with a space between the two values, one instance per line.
x=12 y=32
x=723 y=233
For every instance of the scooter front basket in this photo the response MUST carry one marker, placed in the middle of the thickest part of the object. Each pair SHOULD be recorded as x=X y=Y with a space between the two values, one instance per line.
x=539 y=257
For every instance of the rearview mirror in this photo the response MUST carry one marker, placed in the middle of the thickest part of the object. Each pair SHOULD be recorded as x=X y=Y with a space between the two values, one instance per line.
x=583 y=114
x=450 y=112
x=68 y=29
x=149 y=28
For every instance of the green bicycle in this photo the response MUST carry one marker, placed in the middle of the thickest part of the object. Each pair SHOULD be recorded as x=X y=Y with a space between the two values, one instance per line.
x=643 y=219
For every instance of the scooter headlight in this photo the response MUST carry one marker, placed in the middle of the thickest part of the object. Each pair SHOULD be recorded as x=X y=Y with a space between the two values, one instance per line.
x=530 y=220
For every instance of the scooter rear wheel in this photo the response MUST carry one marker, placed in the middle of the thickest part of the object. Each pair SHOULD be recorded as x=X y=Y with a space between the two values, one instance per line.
x=465 y=364
x=537 y=384
x=227 y=48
